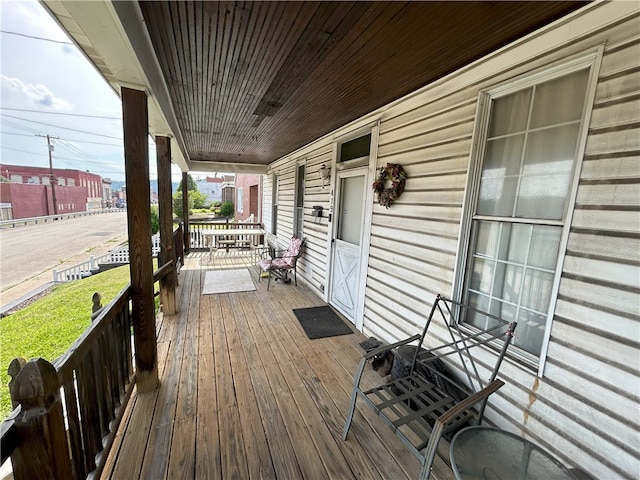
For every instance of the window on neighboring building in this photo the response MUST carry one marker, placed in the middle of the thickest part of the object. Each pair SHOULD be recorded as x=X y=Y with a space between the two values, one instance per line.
x=239 y=199
x=529 y=139
x=71 y=182
x=274 y=204
x=46 y=181
x=298 y=215
x=61 y=182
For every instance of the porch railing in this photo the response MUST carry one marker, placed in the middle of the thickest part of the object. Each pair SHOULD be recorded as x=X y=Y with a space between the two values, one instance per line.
x=117 y=256
x=199 y=241
x=69 y=412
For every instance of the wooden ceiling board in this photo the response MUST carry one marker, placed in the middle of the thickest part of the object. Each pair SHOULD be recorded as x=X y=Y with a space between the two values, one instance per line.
x=252 y=81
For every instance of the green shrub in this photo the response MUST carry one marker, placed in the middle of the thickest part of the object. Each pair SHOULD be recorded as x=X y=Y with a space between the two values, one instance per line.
x=227 y=209
x=155 y=219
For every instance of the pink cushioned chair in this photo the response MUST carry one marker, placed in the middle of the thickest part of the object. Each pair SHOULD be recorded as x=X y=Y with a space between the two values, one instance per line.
x=282 y=265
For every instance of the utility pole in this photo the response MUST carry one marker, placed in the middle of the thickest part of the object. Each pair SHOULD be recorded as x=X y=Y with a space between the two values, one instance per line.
x=52 y=179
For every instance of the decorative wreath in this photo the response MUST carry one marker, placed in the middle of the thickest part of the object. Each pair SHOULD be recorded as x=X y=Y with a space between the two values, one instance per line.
x=394 y=174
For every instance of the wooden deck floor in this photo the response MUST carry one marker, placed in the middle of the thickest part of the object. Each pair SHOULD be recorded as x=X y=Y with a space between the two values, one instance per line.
x=244 y=394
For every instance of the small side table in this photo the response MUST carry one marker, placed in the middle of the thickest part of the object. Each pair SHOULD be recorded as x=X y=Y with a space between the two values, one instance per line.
x=493 y=454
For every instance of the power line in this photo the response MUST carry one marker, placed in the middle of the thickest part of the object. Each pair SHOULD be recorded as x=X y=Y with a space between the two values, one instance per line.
x=58 y=126
x=61 y=113
x=67 y=139
x=36 y=38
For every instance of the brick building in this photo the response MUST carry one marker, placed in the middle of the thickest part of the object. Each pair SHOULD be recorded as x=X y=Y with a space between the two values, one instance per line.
x=27 y=191
x=248 y=193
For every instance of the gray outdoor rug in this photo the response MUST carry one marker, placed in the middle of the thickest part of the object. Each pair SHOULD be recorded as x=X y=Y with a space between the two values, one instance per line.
x=227 y=281
x=320 y=322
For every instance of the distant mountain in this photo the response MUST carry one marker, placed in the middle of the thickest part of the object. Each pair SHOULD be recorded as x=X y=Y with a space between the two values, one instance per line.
x=153 y=184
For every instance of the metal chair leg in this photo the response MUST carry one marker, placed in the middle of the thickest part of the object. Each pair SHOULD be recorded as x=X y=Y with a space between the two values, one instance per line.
x=354 y=397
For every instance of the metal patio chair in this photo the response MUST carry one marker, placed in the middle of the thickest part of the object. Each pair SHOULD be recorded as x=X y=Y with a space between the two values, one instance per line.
x=280 y=266
x=437 y=397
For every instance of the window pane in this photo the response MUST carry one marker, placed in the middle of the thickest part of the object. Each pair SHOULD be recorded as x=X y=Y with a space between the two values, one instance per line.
x=351 y=195
x=500 y=172
x=509 y=114
x=530 y=331
x=497 y=196
x=537 y=290
x=546 y=175
x=487 y=238
x=482 y=275
x=503 y=157
x=545 y=243
x=519 y=243
x=481 y=302
x=560 y=100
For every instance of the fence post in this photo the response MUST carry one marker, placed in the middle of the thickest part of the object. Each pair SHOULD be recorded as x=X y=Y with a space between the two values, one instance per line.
x=55 y=274
x=14 y=369
x=92 y=263
x=43 y=451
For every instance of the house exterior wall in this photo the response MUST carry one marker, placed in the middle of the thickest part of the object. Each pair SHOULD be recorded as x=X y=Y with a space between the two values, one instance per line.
x=583 y=403
x=245 y=182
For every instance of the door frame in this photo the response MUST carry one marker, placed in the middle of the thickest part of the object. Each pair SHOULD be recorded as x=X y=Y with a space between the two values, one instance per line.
x=365 y=242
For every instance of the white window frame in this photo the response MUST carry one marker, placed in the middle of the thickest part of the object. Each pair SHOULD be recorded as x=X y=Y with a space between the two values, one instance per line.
x=590 y=62
x=239 y=199
x=274 y=203
x=298 y=203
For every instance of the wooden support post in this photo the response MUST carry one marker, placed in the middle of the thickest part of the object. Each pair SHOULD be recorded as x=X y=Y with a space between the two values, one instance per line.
x=136 y=160
x=185 y=212
x=165 y=207
x=43 y=450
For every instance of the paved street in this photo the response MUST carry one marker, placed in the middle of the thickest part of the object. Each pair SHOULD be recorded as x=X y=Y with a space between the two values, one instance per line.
x=29 y=253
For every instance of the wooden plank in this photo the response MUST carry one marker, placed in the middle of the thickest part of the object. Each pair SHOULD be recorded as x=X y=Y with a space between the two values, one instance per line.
x=224 y=376
x=208 y=460
x=134 y=441
x=156 y=460
x=234 y=461
x=182 y=459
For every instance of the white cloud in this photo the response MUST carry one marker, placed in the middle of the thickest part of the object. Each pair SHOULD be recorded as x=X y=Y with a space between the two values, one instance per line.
x=38 y=95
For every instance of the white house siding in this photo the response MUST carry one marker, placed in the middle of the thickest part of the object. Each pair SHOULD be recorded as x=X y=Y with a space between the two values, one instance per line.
x=585 y=406
x=312 y=266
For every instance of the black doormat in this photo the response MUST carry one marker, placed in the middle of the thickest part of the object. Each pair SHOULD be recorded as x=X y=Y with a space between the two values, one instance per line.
x=321 y=322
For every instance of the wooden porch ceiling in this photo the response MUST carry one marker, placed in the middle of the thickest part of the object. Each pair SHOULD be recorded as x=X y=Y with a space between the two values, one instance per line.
x=252 y=81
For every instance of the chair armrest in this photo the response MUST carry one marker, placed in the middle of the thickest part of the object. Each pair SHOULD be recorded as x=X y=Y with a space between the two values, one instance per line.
x=384 y=348
x=469 y=401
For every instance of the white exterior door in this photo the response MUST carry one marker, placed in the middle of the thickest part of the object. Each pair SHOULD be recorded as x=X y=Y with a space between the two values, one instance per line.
x=347 y=241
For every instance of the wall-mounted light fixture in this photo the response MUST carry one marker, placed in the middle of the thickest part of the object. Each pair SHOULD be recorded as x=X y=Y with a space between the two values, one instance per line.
x=325 y=174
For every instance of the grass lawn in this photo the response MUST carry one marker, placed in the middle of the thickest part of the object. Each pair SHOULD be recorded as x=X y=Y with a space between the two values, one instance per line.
x=49 y=326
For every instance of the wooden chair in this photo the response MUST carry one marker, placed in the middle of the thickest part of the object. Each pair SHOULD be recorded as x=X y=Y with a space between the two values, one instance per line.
x=436 y=399
x=280 y=266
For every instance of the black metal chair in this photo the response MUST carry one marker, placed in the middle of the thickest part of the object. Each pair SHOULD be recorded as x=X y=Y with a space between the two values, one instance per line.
x=437 y=396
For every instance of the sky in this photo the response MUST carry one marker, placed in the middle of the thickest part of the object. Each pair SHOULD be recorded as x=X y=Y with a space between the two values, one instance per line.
x=48 y=87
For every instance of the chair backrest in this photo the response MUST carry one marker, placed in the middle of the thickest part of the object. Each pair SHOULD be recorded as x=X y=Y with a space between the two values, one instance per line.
x=462 y=341
x=294 y=251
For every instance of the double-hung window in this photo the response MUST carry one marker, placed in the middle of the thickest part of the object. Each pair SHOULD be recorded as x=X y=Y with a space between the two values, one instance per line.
x=298 y=215
x=274 y=204
x=522 y=187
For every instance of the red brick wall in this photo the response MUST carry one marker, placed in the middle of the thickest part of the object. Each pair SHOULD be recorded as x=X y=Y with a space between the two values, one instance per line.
x=29 y=200
x=245 y=181
x=35 y=200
